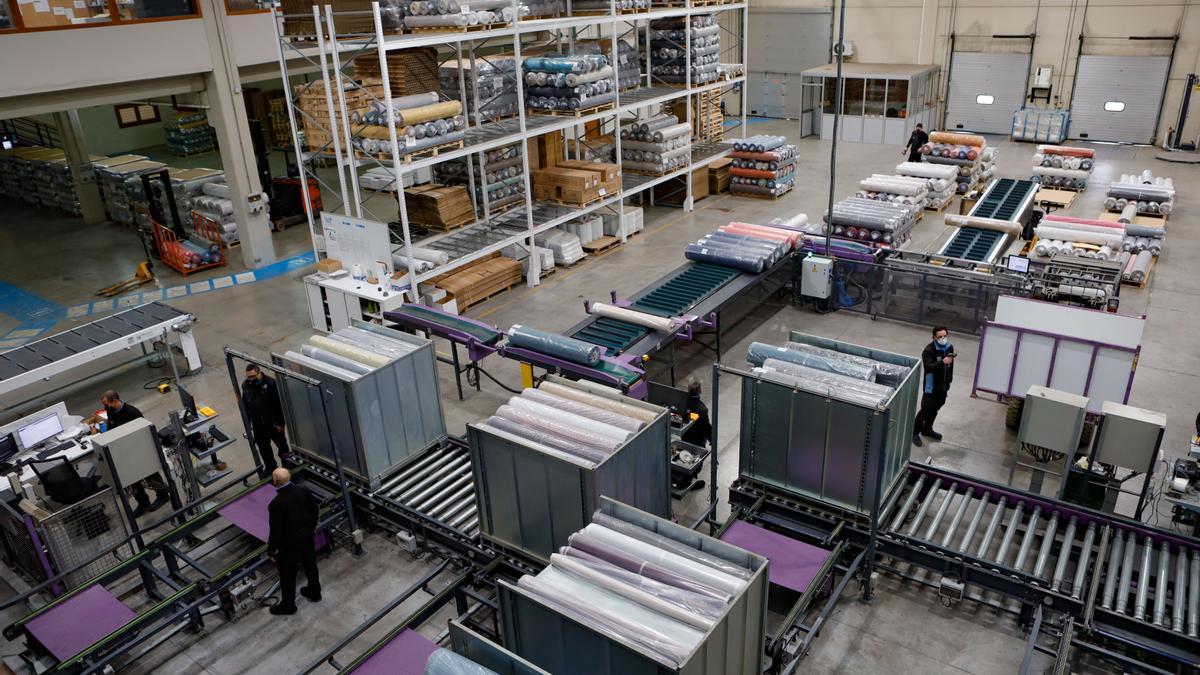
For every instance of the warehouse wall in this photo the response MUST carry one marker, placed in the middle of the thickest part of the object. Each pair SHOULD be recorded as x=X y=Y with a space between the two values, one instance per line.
x=918 y=31
x=104 y=137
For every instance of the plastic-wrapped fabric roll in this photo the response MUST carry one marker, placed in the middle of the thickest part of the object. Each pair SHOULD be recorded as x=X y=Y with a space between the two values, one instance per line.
x=1141 y=267
x=1150 y=231
x=580 y=545
x=957 y=139
x=899 y=187
x=889 y=374
x=597 y=401
x=576 y=79
x=221 y=190
x=667 y=544
x=562 y=431
x=672 y=561
x=544 y=342
x=703 y=605
x=752 y=173
x=1084 y=236
x=1088 y=223
x=1064 y=173
x=660 y=135
x=349 y=351
x=432 y=255
x=547 y=443
x=374 y=342
x=438 y=21
x=428 y=113
x=407 y=102
x=772 y=233
x=1127 y=271
x=759 y=352
x=925 y=170
x=658 y=323
x=446 y=662
x=314 y=352
x=826 y=384
x=584 y=410
x=983 y=223
x=659 y=121
x=1140 y=192
x=761 y=190
x=1066 y=150
x=556 y=64
x=725 y=257
x=1128 y=213
x=321 y=366
x=401 y=262
x=614 y=585
x=769 y=251
x=569 y=419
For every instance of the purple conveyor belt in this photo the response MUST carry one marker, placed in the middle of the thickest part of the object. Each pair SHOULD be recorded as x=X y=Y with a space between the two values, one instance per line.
x=79 y=622
x=794 y=564
x=249 y=514
x=405 y=654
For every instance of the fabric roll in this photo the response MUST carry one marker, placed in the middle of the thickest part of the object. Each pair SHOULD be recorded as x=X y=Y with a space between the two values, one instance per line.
x=658 y=323
x=1087 y=223
x=548 y=443
x=570 y=349
x=957 y=139
x=724 y=257
x=695 y=602
x=614 y=585
x=889 y=374
x=618 y=420
x=760 y=352
x=432 y=255
x=349 y=351
x=1087 y=237
x=677 y=547
x=321 y=366
x=428 y=113
x=570 y=419
x=1150 y=231
x=826 y=383
x=314 y=352
x=1141 y=266
x=438 y=21
x=705 y=575
x=984 y=223
x=406 y=102
x=446 y=662
x=598 y=401
x=608 y=446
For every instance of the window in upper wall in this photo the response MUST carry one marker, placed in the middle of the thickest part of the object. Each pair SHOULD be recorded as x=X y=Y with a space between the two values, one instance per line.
x=985 y=99
x=133 y=114
x=54 y=13
x=1114 y=106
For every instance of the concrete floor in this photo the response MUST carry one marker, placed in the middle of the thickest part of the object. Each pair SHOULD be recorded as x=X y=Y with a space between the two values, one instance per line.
x=861 y=638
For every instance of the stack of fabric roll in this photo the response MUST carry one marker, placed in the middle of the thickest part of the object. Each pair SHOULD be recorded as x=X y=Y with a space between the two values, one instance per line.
x=498 y=174
x=636 y=586
x=629 y=74
x=593 y=149
x=187 y=186
x=565 y=422
x=603 y=6
x=941 y=181
x=1063 y=167
x=762 y=165
x=1143 y=243
x=569 y=82
x=968 y=152
x=1098 y=239
x=491 y=81
x=879 y=223
x=567 y=248
x=215 y=202
x=349 y=353
x=899 y=189
x=744 y=246
x=669 y=45
x=657 y=145
x=423 y=259
x=1142 y=193
x=422 y=121
x=826 y=371
x=455 y=14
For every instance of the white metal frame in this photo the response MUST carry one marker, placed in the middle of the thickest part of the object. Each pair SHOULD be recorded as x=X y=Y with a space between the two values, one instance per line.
x=333 y=52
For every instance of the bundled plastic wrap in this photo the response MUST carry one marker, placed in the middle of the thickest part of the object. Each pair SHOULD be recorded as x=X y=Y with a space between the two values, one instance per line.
x=446 y=662
x=889 y=374
x=373 y=342
x=563 y=431
x=553 y=344
x=616 y=586
x=597 y=401
x=314 y=352
x=584 y=410
x=668 y=544
x=350 y=351
x=584 y=546
x=579 y=422
x=824 y=382
x=695 y=602
x=702 y=574
x=547 y=443
x=760 y=352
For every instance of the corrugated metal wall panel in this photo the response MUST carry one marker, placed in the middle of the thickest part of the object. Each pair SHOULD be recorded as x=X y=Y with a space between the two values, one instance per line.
x=1136 y=81
x=784 y=44
x=975 y=74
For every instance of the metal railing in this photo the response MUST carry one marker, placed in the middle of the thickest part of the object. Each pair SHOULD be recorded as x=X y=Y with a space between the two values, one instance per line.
x=28 y=131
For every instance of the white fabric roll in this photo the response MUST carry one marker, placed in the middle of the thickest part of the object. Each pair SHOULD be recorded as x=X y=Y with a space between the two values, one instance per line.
x=427 y=254
x=926 y=170
x=674 y=562
x=221 y=190
x=349 y=351
x=1065 y=173
x=571 y=419
x=321 y=366
x=892 y=186
x=602 y=402
x=584 y=410
x=637 y=595
x=1097 y=238
x=658 y=323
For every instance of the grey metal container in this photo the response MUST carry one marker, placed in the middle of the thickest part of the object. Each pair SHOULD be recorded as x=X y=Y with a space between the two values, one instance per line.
x=823 y=447
x=531 y=502
x=560 y=644
x=379 y=420
x=468 y=643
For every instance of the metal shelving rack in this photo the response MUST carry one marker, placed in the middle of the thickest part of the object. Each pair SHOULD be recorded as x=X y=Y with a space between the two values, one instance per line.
x=332 y=54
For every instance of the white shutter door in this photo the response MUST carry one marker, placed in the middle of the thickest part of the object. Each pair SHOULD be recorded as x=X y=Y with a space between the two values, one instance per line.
x=1118 y=98
x=985 y=90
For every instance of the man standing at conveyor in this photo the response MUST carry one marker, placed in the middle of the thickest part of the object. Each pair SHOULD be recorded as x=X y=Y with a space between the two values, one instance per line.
x=260 y=395
x=292 y=516
x=938 y=361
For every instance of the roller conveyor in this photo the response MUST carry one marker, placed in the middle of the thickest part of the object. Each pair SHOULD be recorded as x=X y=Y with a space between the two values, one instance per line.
x=440 y=486
x=1005 y=199
x=974 y=244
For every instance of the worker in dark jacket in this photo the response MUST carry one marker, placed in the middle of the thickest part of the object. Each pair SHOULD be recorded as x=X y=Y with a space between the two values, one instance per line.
x=119 y=412
x=260 y=395
x=293 y=519
x=700 y=433
x=937 y=359
x=915 y=141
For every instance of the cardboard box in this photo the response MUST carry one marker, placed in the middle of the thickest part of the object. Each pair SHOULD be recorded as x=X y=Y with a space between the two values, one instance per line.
x=606 y=171
x=674 y=191
x=718 y=175
x=549 y=149
x=569 y=178
x=329 y=265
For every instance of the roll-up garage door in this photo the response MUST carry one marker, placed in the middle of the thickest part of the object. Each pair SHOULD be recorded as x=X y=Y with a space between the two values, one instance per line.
x=1118 y=98
x=985 y=90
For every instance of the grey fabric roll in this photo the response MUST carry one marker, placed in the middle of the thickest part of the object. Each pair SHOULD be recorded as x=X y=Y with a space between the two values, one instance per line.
x=738 y=259
x=584 y=410
x=570 y=349
x=889 y=374
x=677 y=547
x=446 y=662
x=314 y=352
x=557 y=443
x=1151 y=231
x=760 y=352
x=823 y=383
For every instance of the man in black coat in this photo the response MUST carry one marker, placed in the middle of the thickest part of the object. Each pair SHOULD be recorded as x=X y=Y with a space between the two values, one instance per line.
x=915 y=141
x=938 y=361
x=700 y=433
x=260 y=395
x=119 y=412
x=293 y=519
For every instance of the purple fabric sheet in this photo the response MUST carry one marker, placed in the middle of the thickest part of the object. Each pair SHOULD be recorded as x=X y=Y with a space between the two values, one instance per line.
x=249 y=513
x=79 y=622
x=406 y=654
x=794 y=564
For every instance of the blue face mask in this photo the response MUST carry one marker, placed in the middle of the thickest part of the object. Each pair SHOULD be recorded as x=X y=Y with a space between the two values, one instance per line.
x=943 y=341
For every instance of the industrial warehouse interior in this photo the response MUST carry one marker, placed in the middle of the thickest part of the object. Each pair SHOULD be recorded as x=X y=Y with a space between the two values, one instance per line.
x=602 y=337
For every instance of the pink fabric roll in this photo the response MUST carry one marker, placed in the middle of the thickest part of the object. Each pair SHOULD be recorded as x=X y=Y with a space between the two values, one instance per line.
x=1066 y=150
x=761 y=232
x=1085 y=221
x=1129 y=265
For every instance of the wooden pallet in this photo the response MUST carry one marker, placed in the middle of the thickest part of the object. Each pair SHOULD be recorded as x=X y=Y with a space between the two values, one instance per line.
x=1148 y=220
x=1144 y=282
x=477 y=301
x=582 y=112
x=941 y=208
x=753 y=195
x=920 y=216
x=457 y=29
x=1055 y=197
x=423 y=153
x=1156 y=216
x=653 y=174
x=602 y=244
x=559 y=202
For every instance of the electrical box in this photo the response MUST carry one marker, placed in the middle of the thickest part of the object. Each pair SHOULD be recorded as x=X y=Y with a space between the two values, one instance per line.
x=1052 y=419
x=131 y=450
x=1041 y=80
x=816 y=277
x=1128 y=437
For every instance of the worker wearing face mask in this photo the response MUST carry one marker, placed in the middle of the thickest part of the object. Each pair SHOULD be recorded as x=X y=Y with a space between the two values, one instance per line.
x=938 y=361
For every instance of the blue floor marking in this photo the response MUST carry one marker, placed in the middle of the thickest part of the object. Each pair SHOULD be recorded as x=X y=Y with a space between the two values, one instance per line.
x=38 y=315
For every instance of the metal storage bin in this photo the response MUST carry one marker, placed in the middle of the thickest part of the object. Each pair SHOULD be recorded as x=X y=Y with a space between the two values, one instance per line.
x=468 y=643
x=562 y=645
x=379 y=421
x=823 y=447
x=531 y=502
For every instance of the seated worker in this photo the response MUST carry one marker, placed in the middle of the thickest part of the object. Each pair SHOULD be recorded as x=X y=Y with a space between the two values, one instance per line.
x=119 y=412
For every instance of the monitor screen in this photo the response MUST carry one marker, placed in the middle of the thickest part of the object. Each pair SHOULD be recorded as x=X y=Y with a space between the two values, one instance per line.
x=8 y=447
x=669 y=397
x=1018 y=264
x=189 y=403
x=39 y=430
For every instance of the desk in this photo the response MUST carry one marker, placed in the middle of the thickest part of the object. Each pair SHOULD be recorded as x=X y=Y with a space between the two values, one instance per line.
x=334 y=304
x=79 y=449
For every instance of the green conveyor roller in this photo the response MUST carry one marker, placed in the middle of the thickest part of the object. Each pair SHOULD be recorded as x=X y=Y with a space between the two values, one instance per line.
x=1003 y=199
x=972 y=243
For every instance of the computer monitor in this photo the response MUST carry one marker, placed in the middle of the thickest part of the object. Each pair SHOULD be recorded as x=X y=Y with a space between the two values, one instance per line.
x=1018 y=264
x=189 y=405
x=8 y=447
x=39 y=431
x=668 y=397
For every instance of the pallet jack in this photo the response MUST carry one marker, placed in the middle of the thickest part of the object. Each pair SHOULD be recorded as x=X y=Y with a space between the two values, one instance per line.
x=285 y=193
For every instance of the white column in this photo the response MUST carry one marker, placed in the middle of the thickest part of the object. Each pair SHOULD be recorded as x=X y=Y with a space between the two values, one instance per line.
x=227 y=113
x=75 y=145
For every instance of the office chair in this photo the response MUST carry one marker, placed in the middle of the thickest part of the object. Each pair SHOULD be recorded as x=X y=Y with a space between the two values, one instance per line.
x=62 y=482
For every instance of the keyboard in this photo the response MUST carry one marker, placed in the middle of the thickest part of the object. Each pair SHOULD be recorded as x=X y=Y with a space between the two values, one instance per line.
x=50 y=452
